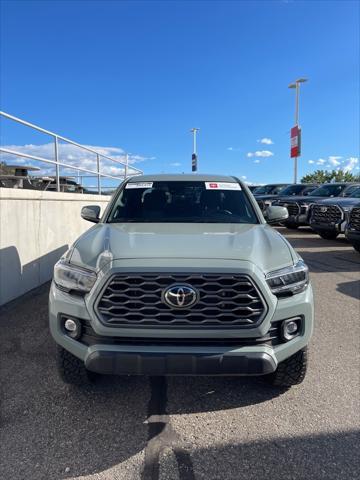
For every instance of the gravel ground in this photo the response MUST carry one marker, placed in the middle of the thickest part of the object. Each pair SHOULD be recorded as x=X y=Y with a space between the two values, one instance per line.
x=189 y=428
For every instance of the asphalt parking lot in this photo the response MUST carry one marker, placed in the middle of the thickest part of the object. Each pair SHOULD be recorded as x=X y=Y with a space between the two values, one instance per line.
x=189 y=428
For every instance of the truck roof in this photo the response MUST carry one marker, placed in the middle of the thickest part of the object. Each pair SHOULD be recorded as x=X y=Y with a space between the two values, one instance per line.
x=186 y=177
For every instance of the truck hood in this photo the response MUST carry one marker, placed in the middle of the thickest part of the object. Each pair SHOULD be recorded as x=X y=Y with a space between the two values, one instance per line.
x=259 y=244
x=341 y=201
x=303 y=198
x=280 y=197
x=266 y=197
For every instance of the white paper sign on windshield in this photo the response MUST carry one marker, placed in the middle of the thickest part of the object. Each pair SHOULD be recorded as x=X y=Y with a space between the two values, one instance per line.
x=139 y=185
x=222 y=186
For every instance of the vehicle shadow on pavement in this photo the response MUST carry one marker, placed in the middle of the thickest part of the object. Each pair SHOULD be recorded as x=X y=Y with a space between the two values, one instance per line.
x=317 y=242
x=331 y=261
x=325 y=456
x=54 y=431
x=352 y=289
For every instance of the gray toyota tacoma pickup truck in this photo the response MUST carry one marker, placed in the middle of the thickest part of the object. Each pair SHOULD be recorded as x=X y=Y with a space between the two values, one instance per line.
x=182 y=275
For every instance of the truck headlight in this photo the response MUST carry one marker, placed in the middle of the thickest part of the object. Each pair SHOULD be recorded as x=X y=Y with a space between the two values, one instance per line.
x=68 y=277
x=289 y=280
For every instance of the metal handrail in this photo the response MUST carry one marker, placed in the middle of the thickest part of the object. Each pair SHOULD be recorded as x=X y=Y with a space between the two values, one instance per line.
x=59 y=164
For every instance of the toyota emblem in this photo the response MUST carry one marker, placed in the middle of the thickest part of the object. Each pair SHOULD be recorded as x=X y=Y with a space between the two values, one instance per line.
x=180 y=296
x=323 y=209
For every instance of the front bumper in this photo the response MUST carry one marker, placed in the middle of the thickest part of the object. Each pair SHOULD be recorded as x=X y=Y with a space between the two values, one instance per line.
x=301 y=219
x=353 y=235
x=174 y=361
x=148 y=352
x=338 y=227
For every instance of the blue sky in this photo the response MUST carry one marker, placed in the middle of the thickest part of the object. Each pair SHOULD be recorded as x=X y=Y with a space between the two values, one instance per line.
x=138 y=75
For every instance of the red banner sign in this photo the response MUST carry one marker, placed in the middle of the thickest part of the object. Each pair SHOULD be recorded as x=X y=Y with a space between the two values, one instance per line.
x=295 y=150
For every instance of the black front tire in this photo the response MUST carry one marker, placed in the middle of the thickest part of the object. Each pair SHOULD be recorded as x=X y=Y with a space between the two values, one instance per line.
x=72 y=370
x=291 y=226
x=356 y=246
x=328 y=235
x=291 y=371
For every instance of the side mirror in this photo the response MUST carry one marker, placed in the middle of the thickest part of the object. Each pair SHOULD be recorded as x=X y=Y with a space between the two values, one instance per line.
x=275 y=214
x=91 y=213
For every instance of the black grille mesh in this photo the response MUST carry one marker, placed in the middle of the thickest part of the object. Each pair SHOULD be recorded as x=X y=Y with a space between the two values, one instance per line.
x=224 y=300
x=261 y=204
x=354 y=219
x=326 y=214
x=292 y=207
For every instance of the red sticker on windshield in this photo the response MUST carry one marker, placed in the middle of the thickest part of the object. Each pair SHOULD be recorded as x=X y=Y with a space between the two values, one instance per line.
x=222 y=186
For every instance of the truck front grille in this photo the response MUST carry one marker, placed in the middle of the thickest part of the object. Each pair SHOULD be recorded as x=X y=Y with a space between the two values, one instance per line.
x=261 y=204
x=354 y=218
x=326 y=214
x=292 y=207
x=223 y=301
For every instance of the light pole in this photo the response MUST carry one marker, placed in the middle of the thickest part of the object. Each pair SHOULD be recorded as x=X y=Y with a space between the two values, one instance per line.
x=194 y=155
x=126 y=166
x=296 y=85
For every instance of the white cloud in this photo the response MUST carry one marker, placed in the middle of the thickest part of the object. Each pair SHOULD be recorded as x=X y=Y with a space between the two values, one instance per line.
x=175 y=164
x=256 y=161
x=233 y=149
x=244 y=177
x=338 y=163
x=260 y=153
x=266 y=141
x=251 y=183
x=334 y=160
x=351 y=164
x=73 y=155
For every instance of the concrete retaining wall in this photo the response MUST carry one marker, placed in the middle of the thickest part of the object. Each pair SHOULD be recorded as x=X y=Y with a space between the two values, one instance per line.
x=36 y=228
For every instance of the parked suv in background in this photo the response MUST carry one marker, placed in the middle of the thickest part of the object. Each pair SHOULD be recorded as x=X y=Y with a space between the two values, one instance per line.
x=302 y=189
x=269 y=189
x=252 y=187
x=298 y=206
x=182 y=276
x=352 y=231
x=329 y=217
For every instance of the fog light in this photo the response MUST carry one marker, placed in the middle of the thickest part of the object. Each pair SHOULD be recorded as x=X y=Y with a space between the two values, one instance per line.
x=291 y=328
x=72 y=327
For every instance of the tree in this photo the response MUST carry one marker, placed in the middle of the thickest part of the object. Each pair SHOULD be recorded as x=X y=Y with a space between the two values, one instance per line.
x=4 y=169
x=327 y=176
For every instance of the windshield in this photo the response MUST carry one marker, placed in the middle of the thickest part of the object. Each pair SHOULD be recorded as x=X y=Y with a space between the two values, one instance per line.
x=293 y=189
x=269 y=189
x=308 y=190
x=181 y=201
x=328 y=191
x=353 y=191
